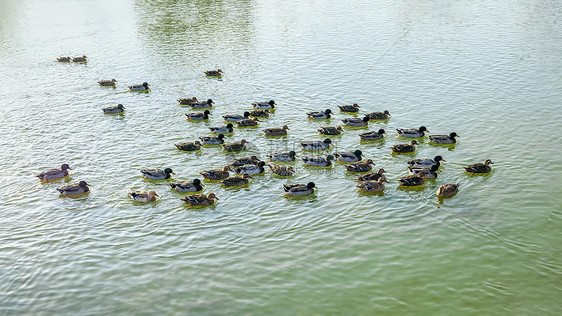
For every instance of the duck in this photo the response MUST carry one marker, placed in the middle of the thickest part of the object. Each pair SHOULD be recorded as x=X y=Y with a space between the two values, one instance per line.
x=480 y=167
x=320 y=115
x=429 y=173
x=372 y=136
x=426 y=162
x=316 y=145
x=212 y=140
x=235 y=146
x=140 y=87
x=107 y=83
x=143 y=196
x=253 y=160
x=443 y=139
x=203 y=104
x=199 y=199
x=198 y=116
x=187 y=186
x=360 y=166
x=330 y=130
x=373 y=185
x=283 y=156
x=216 y=174
x=412 y=180
x=280 y=170
x=347 y=156
x=378 y=116
x=213 y=73
x=54 y=174
x=189 y=146
x=276 y=131
x=157 y=174
x=82 y=59
x=404 y=148
x=356 y=122
x=251 y=169
x=249 y=122
x=74 y=189
x=235 y=117
x=372 y=176
x=354 y=108
x=448 y=190
x=114 y=109
x=236 y=181
x=265 y=105
x=299 y=189
x=64 y=59
x=412 y=132
x=318 y=161
x=225 y=129
x=187 y=101
x=260 y=113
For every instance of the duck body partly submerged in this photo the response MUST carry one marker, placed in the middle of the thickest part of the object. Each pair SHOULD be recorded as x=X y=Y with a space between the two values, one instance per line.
x=316 y=145
x=405 y=148
x=330 y=130
x=318 y=161
x=251 y=169
x=118 y=109
x=143 y=196
x=282 y=171
x=225 y=129
x=412 y=132
x=378 y=116
x=54 y=174
x=299 y=189
x=199 y=199
x=372 y=136
x=140 y=87
x=356 y=122
x=189 y=146
x=283 y=156
x=360 y=166
x=443 y=139
x=426 y=162
x=347 y=156
x=157 y=174
x=187 y=186
x=74 y=189
x=320 y=115
x=264 y=105
x=448 y=190
x=272 y=132
x=372 y=186
x=198 y=116
x=480 y=167
x=216 y=174
x=212 y=140
x=353 y=108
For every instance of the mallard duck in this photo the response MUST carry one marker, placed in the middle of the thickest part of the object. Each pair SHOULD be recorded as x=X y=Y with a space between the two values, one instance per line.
x=448 y=190
x=139 y=87
x=318 y=161
x=372 y=136
x=426 y=162
x=253 y=160
x=429 y=173
x=74 y=189
x=225 y=129
x=299 y=189
x=360 y=166
x=443 y=139
x=213 y=73
x=283 y=171
x=248 y=122
x=64 y=59
x=216 y=174
x=371 y=176
x=188 y=101
x=251 y=169
x=82 y=59
x=347 y=156
x=480 y=167
x=107 y=83
x=404 y=148
x=319 y=115
x=157 y=174
x=114 y=109
x=235 y=146
x=235 y=117
x=276 y=131
x=143 y=196
x=372 y=186
x=285 y=156
x=189 y=146
x=203 y=104
x=199 y=199
x=412 y=132
x=198 y=116
x=212 y=140
x=236 y=181
x=260 y=113
x=317 y=145
x=412 y=180
x=187 y=186
x=330 y=130
x=266 y=105
x=354 y=108
x=355 y=122
x=378 y=116
x=54 y=174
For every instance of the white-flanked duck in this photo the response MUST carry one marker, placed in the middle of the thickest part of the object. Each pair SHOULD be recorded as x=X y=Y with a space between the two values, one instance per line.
x=356 y=122
x=199 y=199
x=353 y=108
x=225 y=129
x=448 y=190
x=372 y=186
x=143 y=196
x=212 y=140
x=235 y=117
x=265 y=105
x=299 y=189
x=187 y=186
x=251 y=169
x=316 y=145
x=426 y=162
x=203 y=105
x=118 y=109
x=378 y=116
x=284 y=156
x=140 y=87
x=157 y=174
x=360 y=166
x=412 y=132
x=198 y=116
x=272 y=132
x=330 y=130
x=318 y=161
x=216 y=174
x=236 y=181
x=348 y=156
x=74 y=189
x=107 y=83
x=443 y=139
x=320 y=115
x=405 y=148
x=282 y=171
x=54 y=174
x=189 y=146
x=480 y=167
x=372 y=136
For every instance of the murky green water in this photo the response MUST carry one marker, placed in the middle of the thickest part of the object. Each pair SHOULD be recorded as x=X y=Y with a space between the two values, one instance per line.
x=491 y=71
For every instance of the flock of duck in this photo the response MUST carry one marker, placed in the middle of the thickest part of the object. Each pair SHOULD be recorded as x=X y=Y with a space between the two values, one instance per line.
x=369 y=181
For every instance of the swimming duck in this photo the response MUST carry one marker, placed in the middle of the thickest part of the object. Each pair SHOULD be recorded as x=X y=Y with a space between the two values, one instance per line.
x=64 y=59
x=448 y=190
x=480 y=167
x=199 y=199
x=317 y=145
x=247 y=122
x=283 y=171
x=285 y=157
x=299 y=189
x=114 y=109
x=276 y=131
x=318 y=161
x=198 y=116
x=143 y=196
x=212 y=140
x=360 y=166
x=235 y=117
x=139 y=87
x=222 y=129
x=443 y=139
x=372 y=186
x=330 y=130
x=429 y=173
x=157 y=174
x=267 y=105
x=74 y=189
x=236 y=181
x=426 y=162
x=372 y=176
x=372 y=136
x=213 y=73
x=319 y=115
x=404 y=148
x=189 y=146
x=203 y=104
x=253 y=160
x=354 y=108
x=260 y=113
x=187 y=186
x=355 y=122
x=373 y=116
x=412 y=132
x=235 y=146
x=412 y=180
x=107 y=83
x=82 y=59
x=54 y=174
x=188 y=101
x=251 y=169
x=216 y=174
x=347 y=156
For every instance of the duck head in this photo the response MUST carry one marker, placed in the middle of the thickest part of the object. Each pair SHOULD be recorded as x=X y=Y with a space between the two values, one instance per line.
x=212 y=196
x=369 y=162
x=207 y=112
x=242 y=142
x=366 y=119
x=330 y=157
x=358 y=153
x=168 y=171
x=328 y=111
x=261 y=164
x=327 y=141
x=152 y=193
x=221 y=136
x=340 y=129
x=453 y=135
x=438 y=158
x=65 y=167
x=210 y=101
x=229 y=125
x=310 y=185
x=488 y=162
x=381 y=171
x=285 y=127
x=414 y=142
x=246 y=114
x=423 y=129
x=145 y=84
x=83 y=184
x=292 y=154
x=386 y=112
x=120 y=106
x=226 y=169
x=196 y=182
x=381 y=131
x=272 y=103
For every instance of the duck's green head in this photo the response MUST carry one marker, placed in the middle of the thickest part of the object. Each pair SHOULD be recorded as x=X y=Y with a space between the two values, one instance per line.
x=381 y=131
x=292 y=154
x=145 y=84
x=327 y=141
x=310 y=185
x=196 y=181
x=229 y=125
x=328 y=111
x=438 y=158
x=168 y=170
x=120 y=106
x=453 y=135
x=330 y=157
x=271 y=102
x=423 y=129
x=358 y=153
x=210 y=101
x=246 y=114
x=221 y=136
